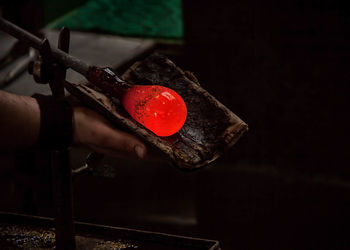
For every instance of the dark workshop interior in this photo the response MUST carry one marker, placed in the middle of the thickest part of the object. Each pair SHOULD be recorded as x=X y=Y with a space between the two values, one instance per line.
x=281 y=66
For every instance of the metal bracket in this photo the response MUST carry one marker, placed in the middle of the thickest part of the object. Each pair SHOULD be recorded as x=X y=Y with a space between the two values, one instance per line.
x=47 y=70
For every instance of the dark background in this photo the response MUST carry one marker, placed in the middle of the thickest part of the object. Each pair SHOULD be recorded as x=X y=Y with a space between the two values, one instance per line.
x=281 y=66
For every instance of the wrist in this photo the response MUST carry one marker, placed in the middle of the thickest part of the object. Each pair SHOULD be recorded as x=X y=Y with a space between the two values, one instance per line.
x=56 y=126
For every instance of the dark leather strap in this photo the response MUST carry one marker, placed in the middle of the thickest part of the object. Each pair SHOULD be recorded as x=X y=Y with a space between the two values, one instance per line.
x=56 y=129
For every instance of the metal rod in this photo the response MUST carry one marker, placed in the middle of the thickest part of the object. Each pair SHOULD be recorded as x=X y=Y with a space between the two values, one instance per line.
x=61 y=170
x=35 y=42
x=63 y=198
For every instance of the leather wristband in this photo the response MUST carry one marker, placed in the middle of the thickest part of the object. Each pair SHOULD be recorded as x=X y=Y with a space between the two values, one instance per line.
x=56 y=125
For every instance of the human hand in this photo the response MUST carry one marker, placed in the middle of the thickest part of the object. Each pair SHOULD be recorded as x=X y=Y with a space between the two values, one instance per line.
x=94 y=131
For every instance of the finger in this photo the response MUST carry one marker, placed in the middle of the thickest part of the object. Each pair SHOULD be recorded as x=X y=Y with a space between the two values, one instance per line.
x=117 y=142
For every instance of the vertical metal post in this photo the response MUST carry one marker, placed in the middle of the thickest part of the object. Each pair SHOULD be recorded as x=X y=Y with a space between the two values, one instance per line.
x=63 y=199
x=61 y=170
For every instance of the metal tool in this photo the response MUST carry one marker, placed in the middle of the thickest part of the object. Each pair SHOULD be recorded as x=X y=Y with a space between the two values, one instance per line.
x=17 y=50
x=91 y=163
x=18 y=68
x=47 y=70
x=37 y=43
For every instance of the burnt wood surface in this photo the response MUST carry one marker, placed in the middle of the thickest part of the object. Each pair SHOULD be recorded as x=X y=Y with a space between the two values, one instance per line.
x=210 y=128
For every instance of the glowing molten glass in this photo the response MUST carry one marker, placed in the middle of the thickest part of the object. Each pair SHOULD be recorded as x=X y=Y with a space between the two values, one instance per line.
x=158 y=108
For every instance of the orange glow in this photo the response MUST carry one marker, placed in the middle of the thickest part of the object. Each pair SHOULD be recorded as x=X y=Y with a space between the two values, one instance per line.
x=158 y=108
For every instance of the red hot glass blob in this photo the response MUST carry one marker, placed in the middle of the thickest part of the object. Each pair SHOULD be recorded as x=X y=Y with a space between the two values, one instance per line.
x=158 y=108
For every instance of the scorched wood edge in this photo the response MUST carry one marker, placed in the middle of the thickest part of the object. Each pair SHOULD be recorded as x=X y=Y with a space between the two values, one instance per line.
x=210 y=128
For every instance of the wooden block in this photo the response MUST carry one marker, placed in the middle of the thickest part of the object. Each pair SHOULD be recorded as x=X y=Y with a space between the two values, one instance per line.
x=210 y=128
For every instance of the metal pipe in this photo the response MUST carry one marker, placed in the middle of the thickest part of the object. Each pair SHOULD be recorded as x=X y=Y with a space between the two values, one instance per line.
x=35 y=42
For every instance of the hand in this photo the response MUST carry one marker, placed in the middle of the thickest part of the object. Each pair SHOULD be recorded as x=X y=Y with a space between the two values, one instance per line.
x=94 y=131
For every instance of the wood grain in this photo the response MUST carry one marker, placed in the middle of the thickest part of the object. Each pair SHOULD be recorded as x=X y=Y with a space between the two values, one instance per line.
x=210 y=128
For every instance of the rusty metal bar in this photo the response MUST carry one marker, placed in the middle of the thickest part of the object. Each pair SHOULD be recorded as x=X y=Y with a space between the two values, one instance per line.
x=35 y=42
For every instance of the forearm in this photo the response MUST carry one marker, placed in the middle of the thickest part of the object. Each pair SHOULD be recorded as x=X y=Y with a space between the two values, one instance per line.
x=20 y=127
x=19 y=121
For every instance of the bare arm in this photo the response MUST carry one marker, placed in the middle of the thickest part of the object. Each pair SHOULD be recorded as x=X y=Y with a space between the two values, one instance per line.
x=19 y=121
x=20 y=127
